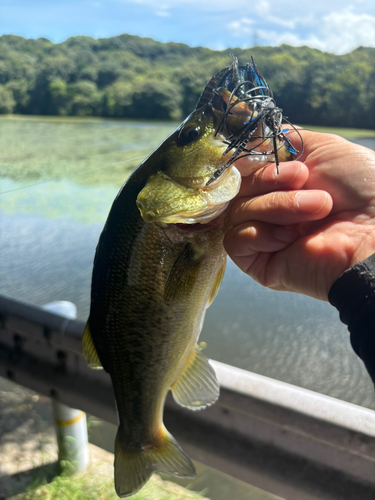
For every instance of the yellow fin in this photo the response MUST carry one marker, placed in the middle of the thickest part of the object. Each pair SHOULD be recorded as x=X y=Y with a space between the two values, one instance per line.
x=197 y=386
x=183 y=275
x=134 y=468
x=89 y=351
x=217 y=284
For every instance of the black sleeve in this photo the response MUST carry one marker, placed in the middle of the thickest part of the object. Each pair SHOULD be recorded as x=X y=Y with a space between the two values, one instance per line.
x=353 y=294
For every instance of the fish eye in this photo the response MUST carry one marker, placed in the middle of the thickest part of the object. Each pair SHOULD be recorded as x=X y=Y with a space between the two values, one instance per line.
x=189 y=134
x=193 y=134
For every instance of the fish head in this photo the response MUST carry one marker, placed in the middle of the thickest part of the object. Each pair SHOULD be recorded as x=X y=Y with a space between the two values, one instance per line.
x=177 y=191
x=192 y=174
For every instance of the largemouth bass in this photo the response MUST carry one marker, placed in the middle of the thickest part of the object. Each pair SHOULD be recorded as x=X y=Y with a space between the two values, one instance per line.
x=158 y=265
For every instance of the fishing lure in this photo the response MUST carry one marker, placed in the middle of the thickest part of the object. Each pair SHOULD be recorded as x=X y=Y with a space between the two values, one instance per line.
x=251 y=95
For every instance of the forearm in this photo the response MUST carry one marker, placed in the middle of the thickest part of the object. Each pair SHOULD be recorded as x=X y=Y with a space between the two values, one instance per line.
x=353 y=294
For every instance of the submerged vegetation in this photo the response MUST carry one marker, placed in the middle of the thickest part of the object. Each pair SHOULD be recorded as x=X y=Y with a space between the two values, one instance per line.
x=87 y=151
x=131 y=77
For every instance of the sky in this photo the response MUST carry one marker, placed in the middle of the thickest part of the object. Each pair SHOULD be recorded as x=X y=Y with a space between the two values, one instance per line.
x=337 y=26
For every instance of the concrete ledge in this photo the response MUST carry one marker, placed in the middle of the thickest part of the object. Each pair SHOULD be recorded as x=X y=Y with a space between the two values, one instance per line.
x=255 y=415
x=310 y=403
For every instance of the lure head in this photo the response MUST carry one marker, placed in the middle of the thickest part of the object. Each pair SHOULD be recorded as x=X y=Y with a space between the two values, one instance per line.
x=246 y=97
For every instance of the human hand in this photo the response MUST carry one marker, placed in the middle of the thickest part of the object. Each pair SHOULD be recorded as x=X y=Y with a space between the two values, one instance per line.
x=299 y=230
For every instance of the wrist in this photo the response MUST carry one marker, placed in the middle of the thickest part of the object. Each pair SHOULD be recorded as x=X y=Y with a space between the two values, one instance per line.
x=353 y=287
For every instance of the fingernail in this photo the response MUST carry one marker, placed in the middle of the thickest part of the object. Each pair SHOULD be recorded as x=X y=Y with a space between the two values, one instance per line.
x=287 y=172
x=285 y=234
x=310 y=201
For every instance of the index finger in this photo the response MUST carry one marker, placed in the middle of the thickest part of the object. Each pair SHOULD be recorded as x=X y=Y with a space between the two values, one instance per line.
x=248 y=164
x=289 y=176
x=308 y=142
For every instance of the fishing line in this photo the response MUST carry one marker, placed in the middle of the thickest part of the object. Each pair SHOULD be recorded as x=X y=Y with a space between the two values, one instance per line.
x=71 y=175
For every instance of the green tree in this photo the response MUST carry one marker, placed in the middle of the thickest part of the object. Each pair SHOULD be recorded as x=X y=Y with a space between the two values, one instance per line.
x=20 y=92
x=85 y=98
x=129 y=76
x=6 y=72
x=155 y=99
x=51 y=68
x=191 y=84
x=7 y=101
x=117 y=99
x=108 y=72
x=60 y=98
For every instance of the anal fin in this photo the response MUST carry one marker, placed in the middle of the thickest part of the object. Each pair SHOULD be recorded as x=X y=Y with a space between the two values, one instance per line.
x=89 y=351
x=197 y=386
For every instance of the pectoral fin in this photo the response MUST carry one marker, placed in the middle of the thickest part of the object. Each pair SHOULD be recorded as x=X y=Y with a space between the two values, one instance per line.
x=197 y=386
x=89 y=351
x=217 y=284
x=183 y=275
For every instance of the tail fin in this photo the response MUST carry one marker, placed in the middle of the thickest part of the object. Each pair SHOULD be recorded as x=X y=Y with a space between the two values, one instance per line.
x=134 y=469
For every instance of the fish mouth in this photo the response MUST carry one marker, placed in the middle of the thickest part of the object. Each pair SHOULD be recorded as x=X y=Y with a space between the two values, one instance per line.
x=203 y=218
x=164 y=200
x=201 y=227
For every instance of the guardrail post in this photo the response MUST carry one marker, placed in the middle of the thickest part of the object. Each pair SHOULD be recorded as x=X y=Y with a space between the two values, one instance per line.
x=71 y=424
x=71 y=431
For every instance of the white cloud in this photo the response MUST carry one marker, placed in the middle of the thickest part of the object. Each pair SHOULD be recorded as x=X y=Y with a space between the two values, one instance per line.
x=346 y=30
x=241 y=27
x=338 y=31
x=331 y=25
x=246 y=26
x=270 y=12
x=283 y=13
x=162 y=10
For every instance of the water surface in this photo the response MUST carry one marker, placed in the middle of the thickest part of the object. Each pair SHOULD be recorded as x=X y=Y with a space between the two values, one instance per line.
x=49 y=232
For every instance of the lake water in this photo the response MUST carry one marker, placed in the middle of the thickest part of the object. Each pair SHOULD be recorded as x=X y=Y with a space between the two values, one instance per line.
x=48 y=235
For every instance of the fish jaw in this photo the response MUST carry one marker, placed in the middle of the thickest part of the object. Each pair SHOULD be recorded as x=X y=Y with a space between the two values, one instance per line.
x=165 y=200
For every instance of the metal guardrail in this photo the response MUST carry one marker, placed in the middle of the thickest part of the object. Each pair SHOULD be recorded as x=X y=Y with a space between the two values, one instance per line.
x=287 y=440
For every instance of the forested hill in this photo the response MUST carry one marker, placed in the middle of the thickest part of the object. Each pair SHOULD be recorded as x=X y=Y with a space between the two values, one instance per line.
x=128 y=76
